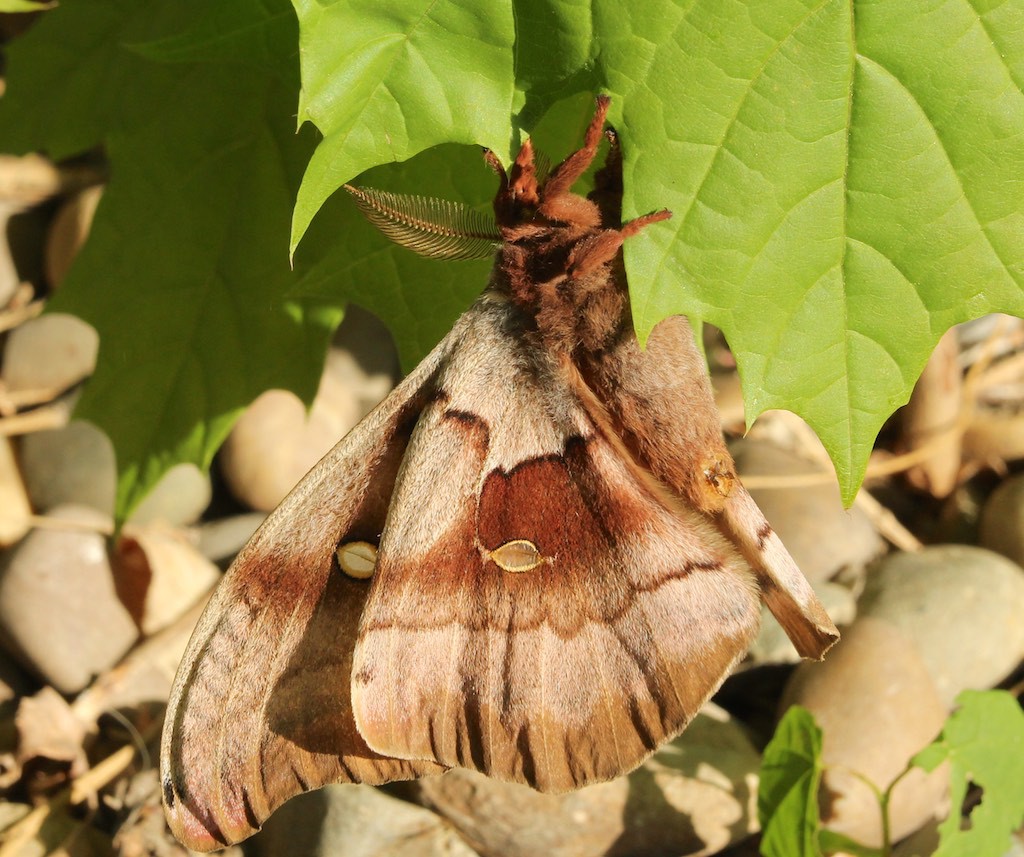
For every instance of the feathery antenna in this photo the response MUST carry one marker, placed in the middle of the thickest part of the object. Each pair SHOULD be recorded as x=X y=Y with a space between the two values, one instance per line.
x=435 y=228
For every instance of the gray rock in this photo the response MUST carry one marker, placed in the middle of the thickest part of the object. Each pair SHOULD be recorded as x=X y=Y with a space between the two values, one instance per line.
x=839 y=537
x=179 y=498
x=58 y=605
x=1001 y=527
x=74 y=464
x=877 y=706
x=962 y=606
x=51 y=352
x=221 y=539
x=357 y=821
x=696 y=795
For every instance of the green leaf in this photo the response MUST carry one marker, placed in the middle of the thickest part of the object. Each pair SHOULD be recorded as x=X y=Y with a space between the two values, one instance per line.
x=846 y=180
x=252 y=32
x=386 y=79
x=185 y=275
x=69 y=79
x=787 y=797
x=983 y=741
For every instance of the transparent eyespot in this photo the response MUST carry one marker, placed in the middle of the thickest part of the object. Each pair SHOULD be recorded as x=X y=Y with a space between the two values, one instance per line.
x=517 y=556
x=357 y=559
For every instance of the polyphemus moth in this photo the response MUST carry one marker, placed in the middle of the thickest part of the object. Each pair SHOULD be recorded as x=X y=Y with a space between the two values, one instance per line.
x=533 y=559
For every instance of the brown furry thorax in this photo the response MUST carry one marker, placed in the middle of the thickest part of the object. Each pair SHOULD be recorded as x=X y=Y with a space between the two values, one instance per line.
x=560 y=259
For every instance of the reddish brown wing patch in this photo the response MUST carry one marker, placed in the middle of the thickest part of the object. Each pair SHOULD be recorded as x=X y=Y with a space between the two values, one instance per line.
x=572 y=672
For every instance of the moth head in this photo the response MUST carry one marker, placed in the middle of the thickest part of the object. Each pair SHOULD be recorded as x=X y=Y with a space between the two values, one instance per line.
x=530 y=197
x=531 y=201
x=552 y=234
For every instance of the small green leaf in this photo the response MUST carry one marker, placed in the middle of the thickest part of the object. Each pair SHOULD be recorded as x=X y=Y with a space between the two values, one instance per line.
x=983 y=741
x=787 y=797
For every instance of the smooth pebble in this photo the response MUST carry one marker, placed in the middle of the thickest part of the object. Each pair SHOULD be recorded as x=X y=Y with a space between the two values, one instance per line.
x=962 y=606
x=357 y=821
x=74 y=464
x=179 y=498
x=51 y=352
x=58 y=604
x=1001 y=527
x=877 y=706
x=274 y=443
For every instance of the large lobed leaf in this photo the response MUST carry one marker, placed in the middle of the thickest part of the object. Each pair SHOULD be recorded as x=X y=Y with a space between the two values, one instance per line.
x=846 y=181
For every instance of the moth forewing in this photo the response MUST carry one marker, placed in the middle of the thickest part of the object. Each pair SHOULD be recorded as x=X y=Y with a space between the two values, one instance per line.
x=784 y=589
x=659 y=401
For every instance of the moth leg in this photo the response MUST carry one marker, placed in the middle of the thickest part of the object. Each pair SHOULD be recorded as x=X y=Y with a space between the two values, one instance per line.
x=565 y=175
x=593 y=252
x=523 y=176
x=557 y=203
x=607 y=192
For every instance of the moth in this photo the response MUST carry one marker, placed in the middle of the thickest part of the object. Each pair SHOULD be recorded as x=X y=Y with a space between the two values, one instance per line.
x=533 y=559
